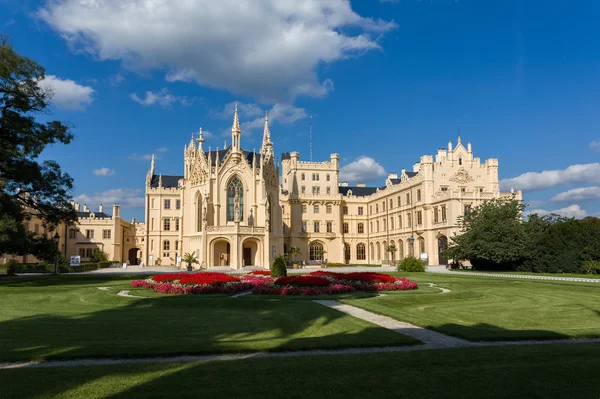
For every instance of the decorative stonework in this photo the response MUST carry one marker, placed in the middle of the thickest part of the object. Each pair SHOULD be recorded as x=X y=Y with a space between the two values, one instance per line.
x=461 y=176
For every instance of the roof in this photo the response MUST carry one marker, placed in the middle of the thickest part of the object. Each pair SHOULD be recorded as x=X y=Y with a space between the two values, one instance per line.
x=358 y=191
x=97 y=215
x=411 y=174
x=395 y=181
x=168 y=181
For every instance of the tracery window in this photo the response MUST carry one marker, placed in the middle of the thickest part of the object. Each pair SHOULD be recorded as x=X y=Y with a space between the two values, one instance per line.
x=234 y=188
x=316 y=251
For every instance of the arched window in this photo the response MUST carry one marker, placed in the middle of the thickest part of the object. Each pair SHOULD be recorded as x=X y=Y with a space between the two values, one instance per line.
x=360 y=252
x=378 y=251
x=234 y=188
x=421 y=245
x=303 y=177
x=460 y=160
x=372 y=251
x=316 y=251
x=199 y=213
x=347 y=252
x=394 y=249
x=400 y=248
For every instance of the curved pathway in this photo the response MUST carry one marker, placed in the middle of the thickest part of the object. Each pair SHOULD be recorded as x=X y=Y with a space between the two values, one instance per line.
x=443 y=270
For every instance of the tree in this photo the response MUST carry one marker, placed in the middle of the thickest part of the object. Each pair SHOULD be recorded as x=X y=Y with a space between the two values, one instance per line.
x=27 y=187
x=492 y=235
x=190 y=259
x=294 y=251
x=99 y=256
x=391 y=248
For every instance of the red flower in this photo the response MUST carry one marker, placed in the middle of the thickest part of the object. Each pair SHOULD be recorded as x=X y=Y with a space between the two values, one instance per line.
x=303 y=281
x=260 y=272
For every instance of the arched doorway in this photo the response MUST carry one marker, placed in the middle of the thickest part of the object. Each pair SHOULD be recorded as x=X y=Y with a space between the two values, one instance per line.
x=221 y=253
x=442 y=245
x=316 y=251
x=393 y=251
x=133 y=257
x=250 y=253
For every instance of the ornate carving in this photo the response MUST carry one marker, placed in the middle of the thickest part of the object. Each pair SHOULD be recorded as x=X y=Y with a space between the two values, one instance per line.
x=461 y=176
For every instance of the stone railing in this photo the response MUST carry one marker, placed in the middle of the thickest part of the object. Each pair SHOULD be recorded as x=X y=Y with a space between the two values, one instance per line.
x=232 y=229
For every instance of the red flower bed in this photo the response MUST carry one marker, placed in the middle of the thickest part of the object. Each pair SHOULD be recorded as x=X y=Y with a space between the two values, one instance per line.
x=367 y=277
x=260 y=272
x=303 y=281
x=196 y=278
x=274 y=289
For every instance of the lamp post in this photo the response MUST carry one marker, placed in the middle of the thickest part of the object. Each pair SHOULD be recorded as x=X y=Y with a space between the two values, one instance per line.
x=411 y=240
x=56 y=239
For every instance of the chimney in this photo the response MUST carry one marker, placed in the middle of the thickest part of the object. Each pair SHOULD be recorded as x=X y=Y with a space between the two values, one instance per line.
x=133 y=220
x=77 y=206
x=392 y=175
x=85 y=208
x=116 y=211
x=100 y=208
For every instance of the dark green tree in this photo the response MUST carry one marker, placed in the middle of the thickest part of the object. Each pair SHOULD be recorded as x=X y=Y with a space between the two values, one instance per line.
x=28 y=187
x=492 y=235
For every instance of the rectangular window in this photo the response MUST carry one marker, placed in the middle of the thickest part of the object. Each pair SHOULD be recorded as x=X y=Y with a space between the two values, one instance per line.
x=399 y=201
x=328 y=177
x=328 y=190
x=329 y=227
x=176 y=225
x=106 y=234
x=418 y=195
x=328 y=209
x=304 y=227
x=399 y=221
x=89 y=252
x=167 y=204
x=467 y=210
x=303 y=177
x=408 y=198
x=391 y=204
x=419 y=218
x=316 y=190
x=376 y=208
x=391 y=223
x=152 y=224
x=371 y=226
x=371 y=209
x=316 y=227
x=176 y=245
x=345 y=210
x=443 y=213
x=303 y=208
x=444 y=189
x=82 y=252
x=177 y=204
x=166 y=245
x=283 y=209
x=89 y=234
x=377 y=226
x=151 y=245
x=153 y=203
x=316 y=209
x=383 y=206
x=303 y=189
x=408 y=220
x=346 y=228
x=435 y=214
x=361 y=228
x=360 y=210
x=384 y=224
x=166 y=224
x=72 y=233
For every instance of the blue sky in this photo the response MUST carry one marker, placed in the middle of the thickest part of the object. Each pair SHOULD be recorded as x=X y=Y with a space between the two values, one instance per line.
x=385 y=82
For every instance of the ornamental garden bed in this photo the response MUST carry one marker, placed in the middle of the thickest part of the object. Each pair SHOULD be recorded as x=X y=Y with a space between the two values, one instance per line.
x=261 y=283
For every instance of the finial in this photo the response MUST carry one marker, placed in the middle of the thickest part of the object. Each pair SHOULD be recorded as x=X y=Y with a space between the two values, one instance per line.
x=200 y=136
x=225 y=144
x=236 y=119
x=458 y=126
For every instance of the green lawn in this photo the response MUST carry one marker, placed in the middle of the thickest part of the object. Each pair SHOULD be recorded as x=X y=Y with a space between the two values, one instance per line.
x=541 y=371
x=596 y=276
x=488 y=308
x=68 y=317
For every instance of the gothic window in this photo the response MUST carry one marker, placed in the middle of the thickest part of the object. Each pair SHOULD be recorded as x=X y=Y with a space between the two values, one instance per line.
x=460 y=160
x=303 y=177
x=316 y=251
x=361 y=228
x=198 y=213
x=270 y=214
x=234 y=188
x=328 y=177
x=361 y=252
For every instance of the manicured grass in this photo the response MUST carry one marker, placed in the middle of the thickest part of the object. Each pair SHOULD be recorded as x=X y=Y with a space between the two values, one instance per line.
x=68 y=317
x=596 y=276
x=543 y=371
x=488 y=308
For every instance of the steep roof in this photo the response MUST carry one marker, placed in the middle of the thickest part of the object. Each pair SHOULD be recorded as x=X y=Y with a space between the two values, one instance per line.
x=249 y=156
x=97 y=215
x=168 y=181
x=358 y=191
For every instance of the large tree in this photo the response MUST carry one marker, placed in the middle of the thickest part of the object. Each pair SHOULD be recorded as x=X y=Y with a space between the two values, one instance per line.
x=28 y=187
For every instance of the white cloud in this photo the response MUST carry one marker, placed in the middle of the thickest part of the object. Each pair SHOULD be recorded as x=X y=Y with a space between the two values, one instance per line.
x=116 y=79
x=573 y=211
x=126 y=197
x=104 y=172
x=285 y=114
x=140 y=157
x=364 y=169
x=268 y=49
x=67 y=93
x=578 y=194
x=595 y=145
x=574 y=174
x=162 y=97
x=162 y=149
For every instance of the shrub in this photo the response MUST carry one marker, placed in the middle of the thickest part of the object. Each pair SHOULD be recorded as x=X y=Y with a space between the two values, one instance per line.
x=278 y=267
x=411 y=264
x=590 y=267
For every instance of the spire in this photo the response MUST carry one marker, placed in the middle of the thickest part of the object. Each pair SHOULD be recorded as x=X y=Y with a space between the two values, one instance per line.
x=150 y=172
x=235 y=131
x=236 y=120
x=200 y=139
x=267 y=134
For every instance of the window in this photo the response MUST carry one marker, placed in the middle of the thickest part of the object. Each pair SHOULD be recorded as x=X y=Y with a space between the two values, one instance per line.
x=346 y=229
x=316 y=251
x=418 y=195
x=421 y=244
x=82 y=252
x=481 y=190
x=303 y=189
x=408 y=198
x=152 y=224
x=177 y=204
x=328 y=177
x=347 y=252
x=316 y=190
x=444 y=189
x=176 y=245
x=72 y=233
x=199 y=213
x=177 y=225
x=316 y=209
x=315 y=177
x=371 y=226
x=89 y=252
x=435 y=214
x=361 y=252
x=360 y=210
x=166 y=224
x=419 y=218
x=377 y=226
x=303 y=208
x=391 y=223
x=391 y=204
x=153 y=204
x=106 y=233
x=371 y=209
x=467 y=210
x=303 y=177
x=328 y=190
x=89 y=234
x=408 y=220
x=166 y=245
x=384 y=224
x=329 y=227
x=328 y=209
x=235 y=189
x=151 y=245
x=399 y=221
x=460 y=160
x=304 y=227
x=361 y=228
x=283 y=209
x=167 y=204
x=443 y=213
x=376 y=208
x=345 y=210
x=399 y=201
x=383 y=206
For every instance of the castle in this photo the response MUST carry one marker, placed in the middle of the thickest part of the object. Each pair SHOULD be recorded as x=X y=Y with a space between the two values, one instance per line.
x=237 y=208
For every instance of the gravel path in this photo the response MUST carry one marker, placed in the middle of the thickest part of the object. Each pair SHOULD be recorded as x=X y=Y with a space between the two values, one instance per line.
x=126 y=294
x=444 y=290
